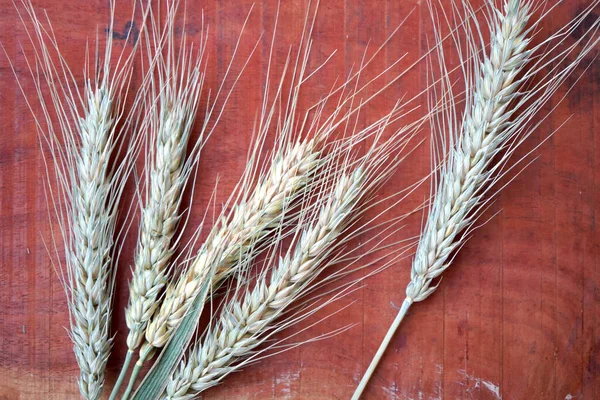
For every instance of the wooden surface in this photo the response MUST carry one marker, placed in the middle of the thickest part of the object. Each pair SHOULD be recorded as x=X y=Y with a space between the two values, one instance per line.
x=516 y=317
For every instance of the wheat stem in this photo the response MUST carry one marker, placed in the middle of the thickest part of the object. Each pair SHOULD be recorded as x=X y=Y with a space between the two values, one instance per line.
x=80 y=130
x=382 y=347
x=122 y=374
x=134 y=375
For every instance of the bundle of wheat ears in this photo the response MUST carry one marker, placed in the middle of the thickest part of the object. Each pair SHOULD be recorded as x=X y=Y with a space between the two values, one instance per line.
x=295 y=235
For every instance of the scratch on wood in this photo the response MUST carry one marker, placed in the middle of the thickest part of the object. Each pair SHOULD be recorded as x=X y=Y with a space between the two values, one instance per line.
x=392 y=391
x=492 y=388
x=285 y=380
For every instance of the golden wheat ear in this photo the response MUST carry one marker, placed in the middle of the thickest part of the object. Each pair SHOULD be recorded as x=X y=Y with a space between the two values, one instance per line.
x=83 y=129
x=507 y=82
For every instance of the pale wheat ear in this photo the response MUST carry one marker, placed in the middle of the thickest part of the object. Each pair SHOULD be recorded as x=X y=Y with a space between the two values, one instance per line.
x=502 y=100
x=79 y=129
x=174 y=86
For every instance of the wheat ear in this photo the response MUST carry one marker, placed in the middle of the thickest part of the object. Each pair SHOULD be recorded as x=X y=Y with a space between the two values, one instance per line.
x=92 y=228
x=490 y=126
x=170 y=122
x=238 y=331
x=88 y=187
x=167 y=177
x=467 y=168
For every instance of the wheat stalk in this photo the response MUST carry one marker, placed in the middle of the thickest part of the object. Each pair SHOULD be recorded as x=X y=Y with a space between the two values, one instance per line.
x=490 y=126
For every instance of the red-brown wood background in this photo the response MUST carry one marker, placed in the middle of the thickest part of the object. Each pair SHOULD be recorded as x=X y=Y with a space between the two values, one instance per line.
x=516 y=317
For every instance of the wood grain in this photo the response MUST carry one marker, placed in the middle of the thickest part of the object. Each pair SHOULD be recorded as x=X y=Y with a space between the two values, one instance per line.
x=517 y=317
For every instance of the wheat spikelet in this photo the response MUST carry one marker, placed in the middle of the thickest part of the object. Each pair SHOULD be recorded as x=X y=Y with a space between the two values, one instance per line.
x=491 y=125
